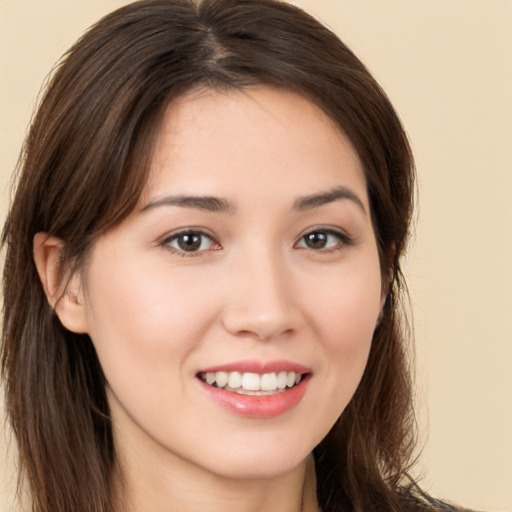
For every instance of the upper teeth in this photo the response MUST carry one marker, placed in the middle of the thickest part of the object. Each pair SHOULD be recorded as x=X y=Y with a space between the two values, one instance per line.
x=252 y=381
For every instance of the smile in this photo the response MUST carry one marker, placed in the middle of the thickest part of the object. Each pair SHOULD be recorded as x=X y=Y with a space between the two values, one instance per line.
x=256 y=389
x=249 y=383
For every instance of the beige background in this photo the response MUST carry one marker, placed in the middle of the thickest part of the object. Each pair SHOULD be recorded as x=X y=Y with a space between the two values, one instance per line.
x=447 y=66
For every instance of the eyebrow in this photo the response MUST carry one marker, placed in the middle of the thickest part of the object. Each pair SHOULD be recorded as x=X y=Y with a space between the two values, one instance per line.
x=335 y=194
x=206 y=203
x=220 y=205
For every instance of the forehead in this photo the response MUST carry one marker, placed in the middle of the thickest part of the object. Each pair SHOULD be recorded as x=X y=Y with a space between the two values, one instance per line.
x=265 y=138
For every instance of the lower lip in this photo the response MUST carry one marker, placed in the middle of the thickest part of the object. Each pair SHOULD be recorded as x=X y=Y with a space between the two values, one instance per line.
x=266 y=406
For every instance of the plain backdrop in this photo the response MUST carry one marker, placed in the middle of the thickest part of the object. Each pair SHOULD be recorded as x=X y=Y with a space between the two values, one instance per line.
x=447 y=67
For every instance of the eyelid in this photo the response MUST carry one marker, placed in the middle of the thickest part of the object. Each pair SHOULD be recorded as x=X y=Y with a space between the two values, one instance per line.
x=174 y=235
x=344 y=238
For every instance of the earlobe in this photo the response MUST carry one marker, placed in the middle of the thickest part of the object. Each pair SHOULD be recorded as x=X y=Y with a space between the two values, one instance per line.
x=387 y=283
x=64 y=294
x=389 y=277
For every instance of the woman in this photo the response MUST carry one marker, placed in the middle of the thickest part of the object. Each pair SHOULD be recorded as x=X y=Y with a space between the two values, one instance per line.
x=202 y=280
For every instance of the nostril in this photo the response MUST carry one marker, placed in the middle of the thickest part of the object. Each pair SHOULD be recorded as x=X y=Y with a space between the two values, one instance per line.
x=264 y=334
x=248 y=322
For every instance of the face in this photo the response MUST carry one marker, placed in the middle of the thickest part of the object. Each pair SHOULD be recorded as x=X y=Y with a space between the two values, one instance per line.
x=233 y=311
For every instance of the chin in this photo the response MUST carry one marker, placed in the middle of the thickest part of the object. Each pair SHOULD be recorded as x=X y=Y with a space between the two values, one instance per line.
x=259 y=458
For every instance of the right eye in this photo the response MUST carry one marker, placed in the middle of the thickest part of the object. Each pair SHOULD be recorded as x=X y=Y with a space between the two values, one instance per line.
x=323 y=240
x=191 y=242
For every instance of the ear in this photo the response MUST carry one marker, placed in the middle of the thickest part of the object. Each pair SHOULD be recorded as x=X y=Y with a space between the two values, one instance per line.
x=64 y=294
x=386 y=283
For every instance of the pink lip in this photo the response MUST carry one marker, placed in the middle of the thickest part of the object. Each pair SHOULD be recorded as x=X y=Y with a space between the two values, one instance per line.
x=258 y=367
x=266 y=406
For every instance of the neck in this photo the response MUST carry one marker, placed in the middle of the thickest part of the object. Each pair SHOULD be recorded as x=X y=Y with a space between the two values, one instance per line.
x=178 y=487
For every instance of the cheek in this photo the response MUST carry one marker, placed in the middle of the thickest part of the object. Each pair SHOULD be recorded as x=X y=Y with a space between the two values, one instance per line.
x=347 y=305
x=144 y=331
x=345 y=323
x=139 y=320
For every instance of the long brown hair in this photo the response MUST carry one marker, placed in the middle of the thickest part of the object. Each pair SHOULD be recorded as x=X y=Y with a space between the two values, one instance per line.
x=82 y=169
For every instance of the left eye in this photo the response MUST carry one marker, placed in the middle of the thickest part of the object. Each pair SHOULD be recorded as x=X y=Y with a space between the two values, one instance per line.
x=190 y=241
x=321 y=240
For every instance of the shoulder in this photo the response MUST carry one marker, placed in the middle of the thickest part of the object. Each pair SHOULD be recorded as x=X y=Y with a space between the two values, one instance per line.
x=434 y=506
x=428 y=504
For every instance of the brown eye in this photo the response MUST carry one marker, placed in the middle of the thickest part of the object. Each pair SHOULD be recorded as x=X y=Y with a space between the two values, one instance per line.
x=190 y=241
x=316 y=240
x=322 y=240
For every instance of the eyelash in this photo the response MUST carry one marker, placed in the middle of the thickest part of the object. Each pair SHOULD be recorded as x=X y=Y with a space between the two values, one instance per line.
x=343 y=240
x=188 y=232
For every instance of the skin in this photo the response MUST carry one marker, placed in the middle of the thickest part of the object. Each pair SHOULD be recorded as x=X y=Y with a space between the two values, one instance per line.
x=253 y=289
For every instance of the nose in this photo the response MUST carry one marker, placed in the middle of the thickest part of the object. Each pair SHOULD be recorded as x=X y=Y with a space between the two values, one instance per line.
x=260 y=301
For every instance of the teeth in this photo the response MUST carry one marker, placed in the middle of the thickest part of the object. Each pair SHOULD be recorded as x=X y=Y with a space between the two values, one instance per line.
x=252 y=382
x=282 y=380
x=234 y=380
x=221 y=378
x=268 y=382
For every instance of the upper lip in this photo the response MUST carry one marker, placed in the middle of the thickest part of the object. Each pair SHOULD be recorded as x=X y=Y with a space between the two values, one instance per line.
x=261 y=367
